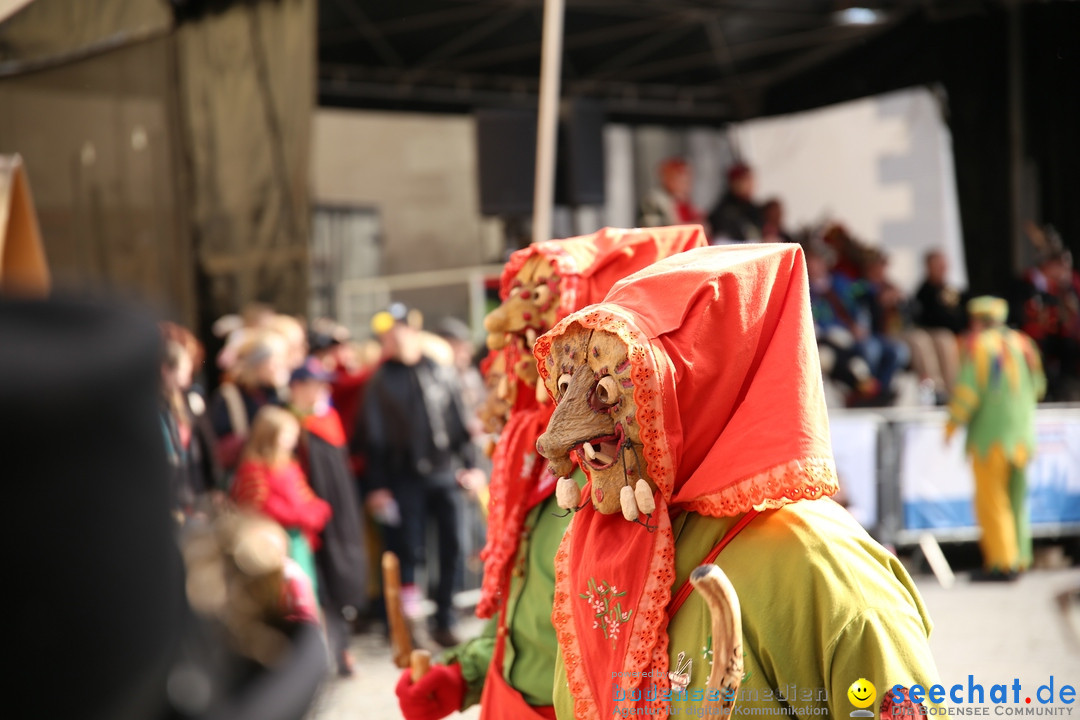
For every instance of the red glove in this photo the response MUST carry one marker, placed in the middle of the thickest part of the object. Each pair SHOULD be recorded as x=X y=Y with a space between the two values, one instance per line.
x=434 y=696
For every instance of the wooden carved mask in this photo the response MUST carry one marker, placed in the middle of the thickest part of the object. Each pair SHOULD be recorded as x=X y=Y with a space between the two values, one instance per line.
x=594 y=420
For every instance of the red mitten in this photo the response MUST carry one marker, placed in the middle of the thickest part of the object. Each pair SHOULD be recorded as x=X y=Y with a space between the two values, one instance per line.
x=434 y=696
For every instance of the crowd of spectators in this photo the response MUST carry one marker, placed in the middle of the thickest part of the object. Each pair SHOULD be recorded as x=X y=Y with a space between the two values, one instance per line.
x=869 y=331
x=350 y=448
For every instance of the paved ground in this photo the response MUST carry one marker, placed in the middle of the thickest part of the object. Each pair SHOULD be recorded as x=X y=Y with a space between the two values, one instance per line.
x=994 y=632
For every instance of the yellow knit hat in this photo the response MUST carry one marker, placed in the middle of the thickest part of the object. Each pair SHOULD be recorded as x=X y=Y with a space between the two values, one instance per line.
x=988 y=307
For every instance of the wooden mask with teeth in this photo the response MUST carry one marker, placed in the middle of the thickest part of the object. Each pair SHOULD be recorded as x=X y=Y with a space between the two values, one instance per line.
x=546 y=281
x=528 y=310
x=594 y=423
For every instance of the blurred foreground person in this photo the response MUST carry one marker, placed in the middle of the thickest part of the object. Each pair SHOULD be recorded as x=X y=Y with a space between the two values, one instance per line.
x=419 y=456
x=342 y=557
x=999 y=384
x=190 y=448
x=675 y=381
x=106 y=580
x=271 y=482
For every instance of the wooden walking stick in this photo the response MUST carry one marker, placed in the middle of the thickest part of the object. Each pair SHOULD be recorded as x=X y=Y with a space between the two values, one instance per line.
x=727 y=668
x=400 y=639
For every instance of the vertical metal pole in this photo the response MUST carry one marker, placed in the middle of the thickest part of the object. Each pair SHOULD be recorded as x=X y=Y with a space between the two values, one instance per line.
x=1016 y=136
x=476 y=304
x=547 y=119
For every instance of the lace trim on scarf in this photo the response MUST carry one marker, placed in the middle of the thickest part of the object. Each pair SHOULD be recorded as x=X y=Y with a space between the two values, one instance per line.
x=516 y=470
x=501 y=545
x=799 y=479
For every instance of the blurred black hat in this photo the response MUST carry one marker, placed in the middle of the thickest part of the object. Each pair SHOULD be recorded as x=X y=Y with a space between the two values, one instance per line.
x=100 y=583
x=312 y=369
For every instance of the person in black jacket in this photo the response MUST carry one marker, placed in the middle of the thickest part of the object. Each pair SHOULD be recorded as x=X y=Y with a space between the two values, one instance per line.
x=419 y=455
x=937 y=305
x=939 y=317
x=341 y=559
x=737 y=218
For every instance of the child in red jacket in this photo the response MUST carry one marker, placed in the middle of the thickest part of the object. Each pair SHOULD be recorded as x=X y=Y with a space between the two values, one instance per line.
x=270 y=481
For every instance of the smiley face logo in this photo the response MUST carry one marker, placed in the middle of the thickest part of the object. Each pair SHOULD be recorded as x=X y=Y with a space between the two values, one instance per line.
x=862 y=693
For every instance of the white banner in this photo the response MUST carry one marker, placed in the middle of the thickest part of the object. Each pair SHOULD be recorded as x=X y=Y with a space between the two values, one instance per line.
x=937 y=486
x=855 y=448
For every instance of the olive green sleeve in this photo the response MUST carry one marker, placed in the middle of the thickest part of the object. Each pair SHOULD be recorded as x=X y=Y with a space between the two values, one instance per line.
x=474 y=657
x=889 y=648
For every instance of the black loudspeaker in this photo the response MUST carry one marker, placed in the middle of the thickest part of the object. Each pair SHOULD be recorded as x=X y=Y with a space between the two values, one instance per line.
x=580 y=173
x=506 y=151
x=506 y=154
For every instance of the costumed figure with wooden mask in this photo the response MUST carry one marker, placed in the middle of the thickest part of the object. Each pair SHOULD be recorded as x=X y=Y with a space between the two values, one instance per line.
x=692 y=398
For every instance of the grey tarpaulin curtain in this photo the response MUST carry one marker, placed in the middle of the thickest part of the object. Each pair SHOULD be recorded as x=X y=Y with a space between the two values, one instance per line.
x=46 y=33
x=169 y=160
x=247 y=90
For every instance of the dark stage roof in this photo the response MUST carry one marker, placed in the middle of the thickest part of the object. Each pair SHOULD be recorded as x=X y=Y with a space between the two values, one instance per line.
x=699 y=60
x=712 y=62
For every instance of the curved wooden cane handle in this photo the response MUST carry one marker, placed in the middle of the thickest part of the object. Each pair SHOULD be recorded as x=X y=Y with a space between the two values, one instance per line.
x=727 y=667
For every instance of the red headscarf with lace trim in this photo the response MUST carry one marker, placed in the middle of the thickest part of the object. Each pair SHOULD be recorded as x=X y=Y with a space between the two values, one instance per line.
x=586 y=268
x=732 y=417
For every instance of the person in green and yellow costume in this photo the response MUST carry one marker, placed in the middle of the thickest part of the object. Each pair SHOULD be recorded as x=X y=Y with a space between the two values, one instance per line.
x=692 y=398
x=1000 y=381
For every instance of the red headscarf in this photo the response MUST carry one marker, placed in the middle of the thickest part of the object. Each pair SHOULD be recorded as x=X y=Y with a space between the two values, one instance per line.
x=587 y=267
x=732 y=417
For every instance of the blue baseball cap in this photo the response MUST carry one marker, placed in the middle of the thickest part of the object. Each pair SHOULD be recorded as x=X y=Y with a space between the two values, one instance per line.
x=311 y=370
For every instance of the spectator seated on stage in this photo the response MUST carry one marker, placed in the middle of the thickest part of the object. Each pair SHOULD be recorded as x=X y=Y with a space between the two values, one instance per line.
x=671 y=203
x=736 y=217
x=854 y=352
x=939 y=317
x=772 y=217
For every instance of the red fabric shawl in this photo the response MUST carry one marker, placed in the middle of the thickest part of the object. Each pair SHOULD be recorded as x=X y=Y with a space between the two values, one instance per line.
x=587 y=267
x=732 y=417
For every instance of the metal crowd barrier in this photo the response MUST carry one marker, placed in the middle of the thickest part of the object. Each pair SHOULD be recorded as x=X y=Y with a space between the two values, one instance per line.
x=901 y=480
